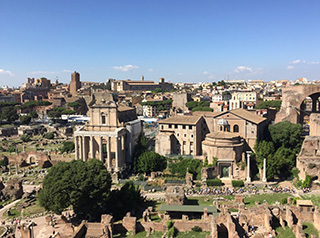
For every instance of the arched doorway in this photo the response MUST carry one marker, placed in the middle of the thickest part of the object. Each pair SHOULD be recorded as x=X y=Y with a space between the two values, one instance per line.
x=310 y=104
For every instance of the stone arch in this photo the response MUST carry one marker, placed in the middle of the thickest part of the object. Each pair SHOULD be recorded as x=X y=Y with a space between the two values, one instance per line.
x=32 y=159
x=292 y=98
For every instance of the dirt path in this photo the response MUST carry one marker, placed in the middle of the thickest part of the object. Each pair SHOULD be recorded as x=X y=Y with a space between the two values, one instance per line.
x=5 y=208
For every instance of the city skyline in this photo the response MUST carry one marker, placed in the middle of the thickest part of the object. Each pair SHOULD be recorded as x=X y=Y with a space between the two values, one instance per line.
x=203 y=41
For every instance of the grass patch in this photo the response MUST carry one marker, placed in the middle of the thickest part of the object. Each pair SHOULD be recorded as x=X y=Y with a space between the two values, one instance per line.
x=142 y=234
x=155 y=218
x=233 y=210
x=270 y=198
x=33 y=209
x=314 y=198
x=193 y=234
x=285 y=233
x=309 y=229
x=13 y=213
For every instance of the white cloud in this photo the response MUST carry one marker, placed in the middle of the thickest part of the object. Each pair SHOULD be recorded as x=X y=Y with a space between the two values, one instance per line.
x=240 y=69
x=2 y=71
x=67 y=71
x=150 y=70
x=315 y=62
x=296 y=61
x=42 y=72
x=125 y=68
x=290 y=67
x=211 y=76
x=180 y=74
x=205 y=72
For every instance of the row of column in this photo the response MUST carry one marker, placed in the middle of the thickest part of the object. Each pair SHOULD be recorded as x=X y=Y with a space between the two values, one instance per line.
x=81 y=151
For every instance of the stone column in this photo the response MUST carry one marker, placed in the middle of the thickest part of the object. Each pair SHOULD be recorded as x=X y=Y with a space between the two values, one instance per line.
x=84 y=157
x=80 y=147
x=117 y=153
x=248 y=168
x=264 y=179
x=76 y=148
x=231 y=170
x=101 y=149
x=91 y=145
x=109 y=152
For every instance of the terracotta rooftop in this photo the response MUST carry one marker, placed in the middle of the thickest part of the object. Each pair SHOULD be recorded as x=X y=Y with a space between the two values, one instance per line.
x=245 y=114
x=123 y=108
x=181 y=120
x=223 y=135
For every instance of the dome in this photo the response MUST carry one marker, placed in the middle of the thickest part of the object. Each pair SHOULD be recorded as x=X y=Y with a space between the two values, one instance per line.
x=222 y=122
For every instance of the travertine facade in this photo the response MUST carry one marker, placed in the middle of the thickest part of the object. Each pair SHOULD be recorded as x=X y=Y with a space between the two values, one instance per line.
x=110 y=135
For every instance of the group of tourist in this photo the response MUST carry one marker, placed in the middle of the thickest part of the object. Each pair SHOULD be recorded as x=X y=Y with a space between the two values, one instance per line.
x=205 y=190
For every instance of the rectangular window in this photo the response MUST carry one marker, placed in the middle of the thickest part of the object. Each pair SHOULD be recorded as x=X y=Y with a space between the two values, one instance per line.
x=190 y=127
x=184 y=126
x=176 y=126
x=170 y=125
x=103 y=119
x=104 y=148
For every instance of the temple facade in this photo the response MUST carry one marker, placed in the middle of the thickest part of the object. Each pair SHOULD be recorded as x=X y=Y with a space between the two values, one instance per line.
x=110 y=135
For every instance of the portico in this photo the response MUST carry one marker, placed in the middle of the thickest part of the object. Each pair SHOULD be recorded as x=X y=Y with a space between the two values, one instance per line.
x=110 y=135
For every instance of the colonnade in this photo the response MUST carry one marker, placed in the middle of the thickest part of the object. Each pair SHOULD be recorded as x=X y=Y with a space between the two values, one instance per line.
x=85 y=146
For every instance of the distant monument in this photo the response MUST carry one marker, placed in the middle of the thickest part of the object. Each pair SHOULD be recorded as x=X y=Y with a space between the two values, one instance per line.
x=75 y=83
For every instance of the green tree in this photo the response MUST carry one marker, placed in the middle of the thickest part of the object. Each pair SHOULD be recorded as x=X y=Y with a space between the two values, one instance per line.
x=192 y=104
x=83 y=185
x=54 y=114
x=74 y=105
x=9 y=114
x=180 y=166
x=151 y=161
x=207 y=109
x=269 y=104
x=286 y=134
x=33 y=114
x=67 y=146
x=263 y=150
x=118 y=203
x=25 y=120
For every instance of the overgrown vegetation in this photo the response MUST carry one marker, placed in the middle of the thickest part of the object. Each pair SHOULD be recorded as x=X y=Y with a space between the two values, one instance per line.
x=178 y=167
x=280 y=148
x=214 y=182
x=269 y=104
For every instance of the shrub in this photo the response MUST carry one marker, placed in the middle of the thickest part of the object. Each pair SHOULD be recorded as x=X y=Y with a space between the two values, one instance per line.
x=214 y=182
x=196 y=229
x=67 y=146
x=49 y=135
x=295 y=172
x=141 y=177
x=237 y=183
x=11 y=149
x=170 y=224
x=284 y=201
x=25 y=138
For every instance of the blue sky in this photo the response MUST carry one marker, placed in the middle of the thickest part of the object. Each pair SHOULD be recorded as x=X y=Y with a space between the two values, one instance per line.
x=182 y=41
